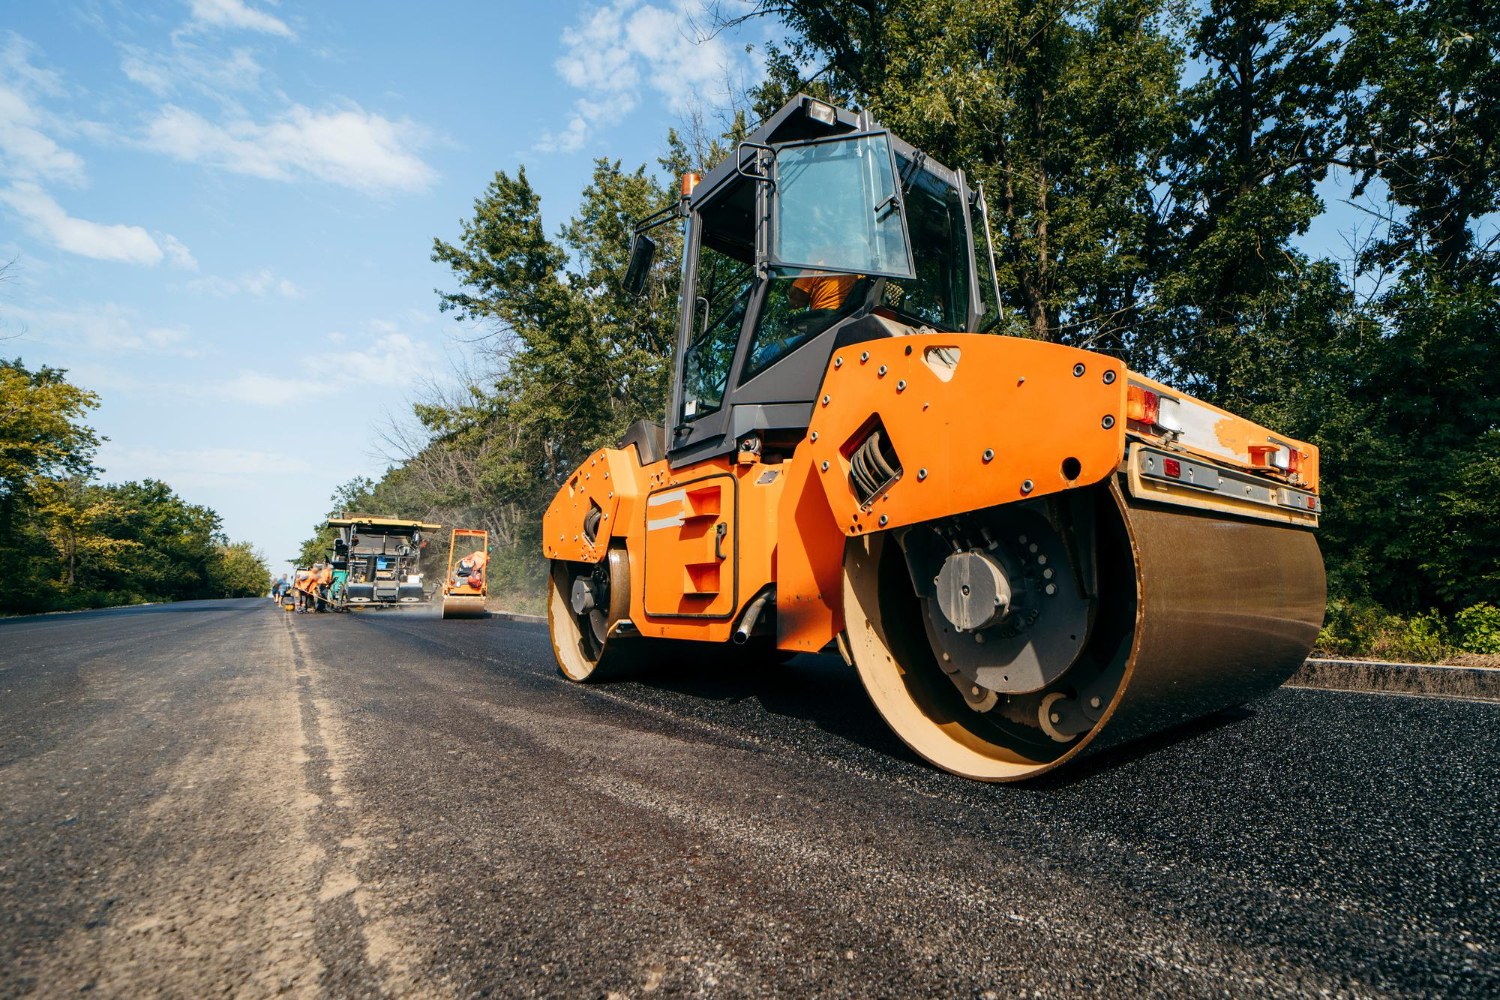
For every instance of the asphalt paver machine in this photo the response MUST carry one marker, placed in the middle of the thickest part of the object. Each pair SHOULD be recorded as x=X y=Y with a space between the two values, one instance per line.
x=381 y=558
x=1025 y=549
x=466 y=586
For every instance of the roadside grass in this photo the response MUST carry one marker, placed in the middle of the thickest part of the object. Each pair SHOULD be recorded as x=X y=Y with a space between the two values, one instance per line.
x=1364 y=630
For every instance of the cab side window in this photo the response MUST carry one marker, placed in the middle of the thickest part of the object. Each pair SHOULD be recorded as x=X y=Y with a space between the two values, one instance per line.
x=724 y=283
x=724 y=286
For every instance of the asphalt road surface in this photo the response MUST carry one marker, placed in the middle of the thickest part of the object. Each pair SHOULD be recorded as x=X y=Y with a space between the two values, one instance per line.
x=223 y=798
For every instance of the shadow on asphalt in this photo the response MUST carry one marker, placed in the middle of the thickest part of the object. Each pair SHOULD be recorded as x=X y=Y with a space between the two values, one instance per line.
x=823 y=691
x=1088 y=764
x=820 y=690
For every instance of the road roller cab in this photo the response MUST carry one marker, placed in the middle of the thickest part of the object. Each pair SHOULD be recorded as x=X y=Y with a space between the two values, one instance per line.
x=1023 y=547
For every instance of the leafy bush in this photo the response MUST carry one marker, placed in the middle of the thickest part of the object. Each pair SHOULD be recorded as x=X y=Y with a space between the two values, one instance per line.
x=1362 y=628
x=1478 y=628
x=1420 y=639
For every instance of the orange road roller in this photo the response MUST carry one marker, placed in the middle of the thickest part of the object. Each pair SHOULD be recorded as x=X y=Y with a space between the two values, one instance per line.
x=1024 y=548
x=464 y=588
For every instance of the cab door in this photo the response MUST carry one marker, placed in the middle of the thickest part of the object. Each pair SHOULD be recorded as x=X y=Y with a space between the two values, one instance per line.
x=691 y=546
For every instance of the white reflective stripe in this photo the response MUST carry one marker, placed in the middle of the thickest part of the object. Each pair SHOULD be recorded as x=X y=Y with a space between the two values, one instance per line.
x=667 y=497
x=1200 y=430
x=665 y=522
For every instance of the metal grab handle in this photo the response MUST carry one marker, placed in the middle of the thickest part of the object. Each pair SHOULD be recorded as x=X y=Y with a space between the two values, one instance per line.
x=739 y=160
x=720 y=530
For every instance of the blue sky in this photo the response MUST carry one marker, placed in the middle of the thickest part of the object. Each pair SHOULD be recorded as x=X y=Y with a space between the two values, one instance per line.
x=216 y=206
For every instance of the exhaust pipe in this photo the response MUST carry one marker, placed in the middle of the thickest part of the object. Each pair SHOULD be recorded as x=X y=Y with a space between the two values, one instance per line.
x=751 y=616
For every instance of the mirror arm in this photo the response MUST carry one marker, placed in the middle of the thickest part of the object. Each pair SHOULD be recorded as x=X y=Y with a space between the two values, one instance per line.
x=659 y=218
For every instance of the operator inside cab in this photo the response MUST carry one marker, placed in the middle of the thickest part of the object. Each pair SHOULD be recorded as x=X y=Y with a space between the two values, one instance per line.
x=821 y=291
x=469 y=572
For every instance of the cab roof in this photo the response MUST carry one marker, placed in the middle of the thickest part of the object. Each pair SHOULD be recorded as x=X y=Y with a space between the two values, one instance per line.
x=793 y=123
x=390 y=525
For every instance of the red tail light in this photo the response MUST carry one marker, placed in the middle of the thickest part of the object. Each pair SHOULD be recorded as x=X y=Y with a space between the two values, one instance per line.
x=1172 y=467
x=1142 y=405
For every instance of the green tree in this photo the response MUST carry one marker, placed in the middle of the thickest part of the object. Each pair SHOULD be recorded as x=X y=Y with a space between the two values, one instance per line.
x=41 y=433
x=576 y=359
x=42 y=440
x=352 y=497
x=239 y=571
x=75 y=517
x=1423 y=128
x=178 y=543
x=1259 y=130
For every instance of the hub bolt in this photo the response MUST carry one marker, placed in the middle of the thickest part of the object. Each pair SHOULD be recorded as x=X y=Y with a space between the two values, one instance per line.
x=1108 y=420
x=838 y=362
x=1078 y=370
x=1109 y=378
x=883 y=519
x=881 y=372
x=901 y=386
x=921 y=474
x=989 y=453
x=864 y=356
x=825 y=466
x=1026 y=486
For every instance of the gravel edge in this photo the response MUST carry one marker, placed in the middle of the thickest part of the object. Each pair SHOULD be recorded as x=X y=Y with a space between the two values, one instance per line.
x=1432 y=680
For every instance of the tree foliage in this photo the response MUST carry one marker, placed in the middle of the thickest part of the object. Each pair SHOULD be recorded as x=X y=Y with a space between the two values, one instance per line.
x=68 y=541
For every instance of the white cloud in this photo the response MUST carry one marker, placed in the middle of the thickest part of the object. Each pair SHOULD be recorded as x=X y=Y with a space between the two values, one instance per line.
x=350 y=147
x=49 y=221
x=187 y=66
x=269 y=390
x=177 y=252
x=196 y=468
x=235 y=14
x=392 y=359
x=27 y=151
x=105 y=328
x=15 y=61
x=260 y=282
x=619 y=50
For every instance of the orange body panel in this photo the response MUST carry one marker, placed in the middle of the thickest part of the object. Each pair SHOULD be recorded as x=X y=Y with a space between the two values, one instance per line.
x=1008 y=413
x=597 y=481
x=810 y=561
x=785 y=523
x=690 y=547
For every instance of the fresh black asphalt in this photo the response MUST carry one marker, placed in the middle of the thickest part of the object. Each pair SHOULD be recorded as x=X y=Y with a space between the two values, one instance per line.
x=221 y=797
